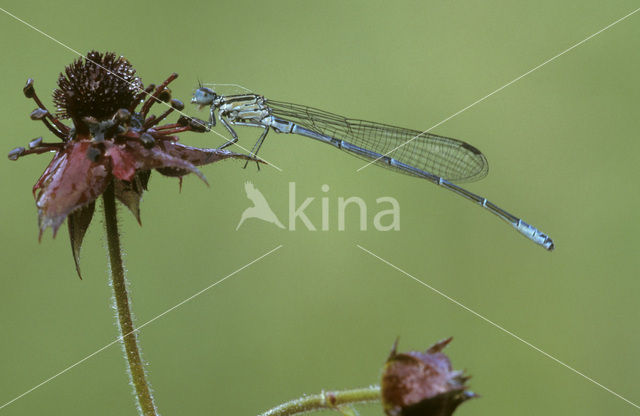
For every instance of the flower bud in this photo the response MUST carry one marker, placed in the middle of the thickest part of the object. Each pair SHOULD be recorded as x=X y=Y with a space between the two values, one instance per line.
x=422 y=383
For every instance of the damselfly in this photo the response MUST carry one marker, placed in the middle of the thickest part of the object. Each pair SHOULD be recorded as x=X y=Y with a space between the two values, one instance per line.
x=440 y=160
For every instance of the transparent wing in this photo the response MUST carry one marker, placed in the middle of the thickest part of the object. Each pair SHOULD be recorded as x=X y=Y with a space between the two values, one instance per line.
x=445 y=157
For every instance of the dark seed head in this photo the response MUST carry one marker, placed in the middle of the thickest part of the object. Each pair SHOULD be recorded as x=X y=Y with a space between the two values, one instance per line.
x=96 y=86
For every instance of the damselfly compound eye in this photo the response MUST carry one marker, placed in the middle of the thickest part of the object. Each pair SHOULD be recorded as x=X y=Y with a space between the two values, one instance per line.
x=203 y=96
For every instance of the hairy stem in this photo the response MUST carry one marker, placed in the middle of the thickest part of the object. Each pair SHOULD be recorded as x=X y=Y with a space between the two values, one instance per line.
x=136 y=367
x=332 y=400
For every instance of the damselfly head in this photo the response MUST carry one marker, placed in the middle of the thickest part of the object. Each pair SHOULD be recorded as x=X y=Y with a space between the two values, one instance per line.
x=203 y=96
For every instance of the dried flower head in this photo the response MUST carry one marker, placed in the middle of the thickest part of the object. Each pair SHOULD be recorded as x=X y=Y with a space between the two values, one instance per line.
x=422 y=383
x=110 y=142
x=98 y=91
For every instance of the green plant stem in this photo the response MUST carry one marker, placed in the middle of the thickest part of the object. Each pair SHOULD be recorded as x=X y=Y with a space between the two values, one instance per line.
x=332 y=400
x=136 y=367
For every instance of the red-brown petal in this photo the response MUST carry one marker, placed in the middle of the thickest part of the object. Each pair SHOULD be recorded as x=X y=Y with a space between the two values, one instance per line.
x=53 y=165
x=71 y=181
x=130 y=193
x=78 y=222
x=156 y=157
x=123 y=163
x=197 y=156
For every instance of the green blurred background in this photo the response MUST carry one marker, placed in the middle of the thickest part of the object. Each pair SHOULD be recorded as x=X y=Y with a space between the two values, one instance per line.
x=320 y=313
